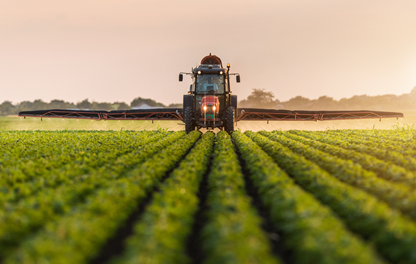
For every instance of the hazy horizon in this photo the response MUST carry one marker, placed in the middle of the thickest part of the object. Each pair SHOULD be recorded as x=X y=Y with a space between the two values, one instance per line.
x=111 y=51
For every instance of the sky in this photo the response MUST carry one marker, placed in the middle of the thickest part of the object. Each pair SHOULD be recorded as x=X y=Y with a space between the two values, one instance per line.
x=108 y=50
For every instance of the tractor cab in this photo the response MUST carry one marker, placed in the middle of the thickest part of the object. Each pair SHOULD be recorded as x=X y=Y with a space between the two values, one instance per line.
x=209 y=97
x=211 y=85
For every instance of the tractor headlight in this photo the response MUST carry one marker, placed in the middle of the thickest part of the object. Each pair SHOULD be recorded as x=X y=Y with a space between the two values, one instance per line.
x=205 y=108
x=214 y=107
x=220 y=72
x=199 y=72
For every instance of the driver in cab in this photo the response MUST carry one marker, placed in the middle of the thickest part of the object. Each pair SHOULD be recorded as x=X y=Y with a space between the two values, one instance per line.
x=210 y=85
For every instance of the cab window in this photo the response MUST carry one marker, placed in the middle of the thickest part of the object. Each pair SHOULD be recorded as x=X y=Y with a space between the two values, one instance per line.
x=210 y=83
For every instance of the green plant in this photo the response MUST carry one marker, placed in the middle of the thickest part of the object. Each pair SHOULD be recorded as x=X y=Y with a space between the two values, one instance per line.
x=393 y=234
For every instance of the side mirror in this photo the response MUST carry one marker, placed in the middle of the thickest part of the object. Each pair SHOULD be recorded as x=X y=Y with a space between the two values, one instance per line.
x=237 y=78
x=190 y=88
x=180 y=77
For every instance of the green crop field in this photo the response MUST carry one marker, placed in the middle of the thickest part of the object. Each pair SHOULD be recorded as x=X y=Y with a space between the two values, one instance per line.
x=159 y=196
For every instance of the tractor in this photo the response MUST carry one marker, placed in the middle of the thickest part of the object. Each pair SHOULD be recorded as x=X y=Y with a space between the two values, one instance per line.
x=210 y=102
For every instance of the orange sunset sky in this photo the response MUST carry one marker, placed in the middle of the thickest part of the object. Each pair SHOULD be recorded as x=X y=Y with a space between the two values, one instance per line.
x=118 y=50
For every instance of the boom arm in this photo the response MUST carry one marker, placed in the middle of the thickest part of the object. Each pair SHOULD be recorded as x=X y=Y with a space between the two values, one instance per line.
x=142 y=114
x=244 y=114
x=257 y=114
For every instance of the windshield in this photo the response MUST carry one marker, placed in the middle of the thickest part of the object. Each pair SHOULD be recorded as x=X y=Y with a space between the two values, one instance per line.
x=210 y=84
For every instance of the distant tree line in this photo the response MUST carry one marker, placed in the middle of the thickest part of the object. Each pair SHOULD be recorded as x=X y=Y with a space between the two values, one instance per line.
x=259 y=98
x=8 y=108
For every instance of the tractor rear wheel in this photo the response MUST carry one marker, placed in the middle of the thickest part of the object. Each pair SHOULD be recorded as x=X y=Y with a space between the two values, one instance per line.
x=229 y=119
x=188 y=119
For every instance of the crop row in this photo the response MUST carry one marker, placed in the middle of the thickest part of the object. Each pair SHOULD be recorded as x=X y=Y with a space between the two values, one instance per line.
x=74 y=150
x=398 y=196
x=230 y=219
x=327 y=197
x=42 y=146
x=27 y=179
x=405 y=148
x=386 y=170
x=405 y=138
x=78 y=235
x=50 y=204
x=232 y=233
x=393 y=234
x=381 y=153
x=399 y=135
x=310 y=230
x=167 y=222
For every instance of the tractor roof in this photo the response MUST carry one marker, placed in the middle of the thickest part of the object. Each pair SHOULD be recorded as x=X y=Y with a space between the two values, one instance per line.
x=210 y=64
x=211 y=60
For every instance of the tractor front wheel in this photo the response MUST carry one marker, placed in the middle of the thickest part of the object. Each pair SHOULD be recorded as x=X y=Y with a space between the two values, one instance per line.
x=229 y=119
x=188 y=119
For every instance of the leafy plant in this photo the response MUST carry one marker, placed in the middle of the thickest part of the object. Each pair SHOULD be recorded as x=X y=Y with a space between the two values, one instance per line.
x=393 y=234
x=311 y=230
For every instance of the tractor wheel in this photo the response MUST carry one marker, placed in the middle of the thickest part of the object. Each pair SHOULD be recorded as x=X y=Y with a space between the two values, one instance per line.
x=188 y=118
x=229 y=119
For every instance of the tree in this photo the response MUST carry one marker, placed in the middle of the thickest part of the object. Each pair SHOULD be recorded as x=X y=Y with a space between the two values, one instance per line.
x=25 y=106
x=298 y=103
x=101 y=106
x=150 y=102
x=60 y=104
x=7 y=108
x=84 y=104
x=325 y=103
x=260 y=98
x=121 y=106
x=39 y=105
